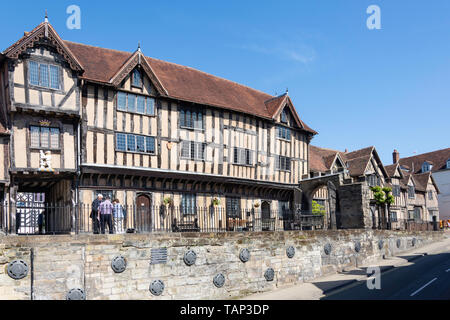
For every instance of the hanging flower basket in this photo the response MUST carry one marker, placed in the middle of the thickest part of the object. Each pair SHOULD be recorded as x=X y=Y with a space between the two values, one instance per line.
x=167 y=201
x=256 y=205
x=215 y=202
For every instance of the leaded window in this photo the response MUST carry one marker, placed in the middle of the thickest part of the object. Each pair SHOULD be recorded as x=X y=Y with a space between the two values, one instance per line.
x=44 y=137
x=44 y=75
x=233 y=207
x=193 y=150
x=283 y=163
x=150 y=144
x=122 y=101
x=411 y=192
x=54 y=77
x=151 y=106
x=394 y=217
x=243 y=156
x=135 y=143
x=34 y=73
x=284 y=133
x=140 y=144
x=430 y=195
x=135 y=103
x=191 y=119
x=284 y=116
x=188 y=204
x=140 y=104
x=137 y=78
x=121 y=142
x=396 y=190
x=132 y=102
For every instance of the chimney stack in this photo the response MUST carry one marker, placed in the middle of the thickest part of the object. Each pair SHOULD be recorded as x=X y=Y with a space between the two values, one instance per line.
x=395 y=156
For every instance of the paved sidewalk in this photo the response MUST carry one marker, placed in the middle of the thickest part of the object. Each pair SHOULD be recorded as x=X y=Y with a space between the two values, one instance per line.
x=318 y=287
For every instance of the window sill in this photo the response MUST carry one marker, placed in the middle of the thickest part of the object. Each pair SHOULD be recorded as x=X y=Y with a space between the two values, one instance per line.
x=244 y=165
x=283 y=170
x=138 y=113
x=192 y=129
x=37 y=87
x=283 y=139
x=197 y=160
x=137 y=152
x=45 y=149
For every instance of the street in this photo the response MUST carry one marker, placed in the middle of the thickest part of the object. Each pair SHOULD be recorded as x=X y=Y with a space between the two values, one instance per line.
x=428 y=278
x=418 y=274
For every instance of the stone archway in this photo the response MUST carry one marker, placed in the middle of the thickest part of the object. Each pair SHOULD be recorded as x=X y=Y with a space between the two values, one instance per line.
x=330 y=195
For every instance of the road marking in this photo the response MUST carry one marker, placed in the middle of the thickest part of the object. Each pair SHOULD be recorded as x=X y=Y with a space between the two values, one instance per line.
x=418 y=290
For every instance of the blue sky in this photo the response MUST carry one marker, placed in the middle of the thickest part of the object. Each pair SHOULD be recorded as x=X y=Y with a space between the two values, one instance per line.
x=356 y=87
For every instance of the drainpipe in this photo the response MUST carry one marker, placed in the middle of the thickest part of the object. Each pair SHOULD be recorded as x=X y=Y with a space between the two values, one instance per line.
x=31 y=274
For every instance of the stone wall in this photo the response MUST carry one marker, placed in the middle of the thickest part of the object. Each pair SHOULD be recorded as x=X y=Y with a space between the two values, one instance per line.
x=58 y=264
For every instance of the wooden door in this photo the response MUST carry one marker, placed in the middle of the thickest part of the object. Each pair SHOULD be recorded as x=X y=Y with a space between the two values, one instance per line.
x=143 y=213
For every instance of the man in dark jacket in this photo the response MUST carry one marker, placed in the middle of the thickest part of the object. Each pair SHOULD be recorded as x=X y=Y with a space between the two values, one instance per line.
x=95 y=214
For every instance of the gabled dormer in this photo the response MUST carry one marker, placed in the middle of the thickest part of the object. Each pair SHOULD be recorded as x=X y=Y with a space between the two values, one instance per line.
x=43 y=72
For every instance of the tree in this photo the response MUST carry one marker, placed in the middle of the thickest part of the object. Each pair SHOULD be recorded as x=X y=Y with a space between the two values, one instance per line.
x=317 y=209
x=383 y=197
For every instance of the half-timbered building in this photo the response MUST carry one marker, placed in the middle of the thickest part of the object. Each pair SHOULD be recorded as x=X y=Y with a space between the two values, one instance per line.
x=80 y=120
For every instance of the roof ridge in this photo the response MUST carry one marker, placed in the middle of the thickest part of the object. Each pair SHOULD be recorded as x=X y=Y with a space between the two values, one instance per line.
x=325 y=148
x=423 y=154
x=212 y=75
x=176 y=64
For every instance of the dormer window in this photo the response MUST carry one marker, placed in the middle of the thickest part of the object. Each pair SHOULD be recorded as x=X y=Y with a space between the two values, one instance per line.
x=136 y=79
x=426 y=167
x=448 y=164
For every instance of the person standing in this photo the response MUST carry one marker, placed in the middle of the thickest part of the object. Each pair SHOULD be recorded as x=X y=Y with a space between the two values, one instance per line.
x=95 y=214
x=105 y=210
x=119 y=216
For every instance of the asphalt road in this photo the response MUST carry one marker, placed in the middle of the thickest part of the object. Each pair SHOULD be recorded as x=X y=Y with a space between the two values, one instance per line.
x=428 y=278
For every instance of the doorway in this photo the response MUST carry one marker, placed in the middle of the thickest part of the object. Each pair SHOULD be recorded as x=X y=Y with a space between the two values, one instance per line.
x=265 y=216
x=143 y=213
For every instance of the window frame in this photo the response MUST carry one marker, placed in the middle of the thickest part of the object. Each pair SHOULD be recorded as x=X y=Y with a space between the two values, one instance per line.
x=49 y=138
x=48 y=66
x=243 y=157
x=411 y=192
x=135 y=110
x=278 y=163
x=188 y=198
x=193 y=150
x=125 y=150
x=188 y=122
x=133 y=78
x=287 y=136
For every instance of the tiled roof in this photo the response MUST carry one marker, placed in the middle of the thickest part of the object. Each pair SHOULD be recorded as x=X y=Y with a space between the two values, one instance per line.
x=183 y=83
x=438 y=158
x=321 y=159
x=391 y=170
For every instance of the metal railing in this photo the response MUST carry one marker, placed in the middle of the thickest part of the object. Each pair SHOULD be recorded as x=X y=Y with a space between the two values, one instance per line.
x=411 y=225
x=80 y=218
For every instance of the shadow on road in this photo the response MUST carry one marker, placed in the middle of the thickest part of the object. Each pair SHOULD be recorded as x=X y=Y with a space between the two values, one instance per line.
x=398 y=284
